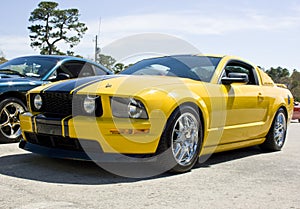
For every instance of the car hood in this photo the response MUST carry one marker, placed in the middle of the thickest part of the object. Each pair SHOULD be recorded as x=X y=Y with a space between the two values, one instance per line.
x=12 y=80
x=115 y=84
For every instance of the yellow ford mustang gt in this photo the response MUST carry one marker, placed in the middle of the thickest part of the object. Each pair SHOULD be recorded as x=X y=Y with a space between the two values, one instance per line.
x=178 y=107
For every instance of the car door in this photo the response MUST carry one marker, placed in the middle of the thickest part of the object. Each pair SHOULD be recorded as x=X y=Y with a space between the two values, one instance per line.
x=247 y=106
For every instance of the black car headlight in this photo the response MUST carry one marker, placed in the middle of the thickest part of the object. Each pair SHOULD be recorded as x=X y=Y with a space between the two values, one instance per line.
x=37 y=102
x=128 y=108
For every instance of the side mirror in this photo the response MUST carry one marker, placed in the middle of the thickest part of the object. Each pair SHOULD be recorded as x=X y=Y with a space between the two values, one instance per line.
x=235 y=78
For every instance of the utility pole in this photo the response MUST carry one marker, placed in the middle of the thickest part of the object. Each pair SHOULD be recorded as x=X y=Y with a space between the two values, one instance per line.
x=96 y=47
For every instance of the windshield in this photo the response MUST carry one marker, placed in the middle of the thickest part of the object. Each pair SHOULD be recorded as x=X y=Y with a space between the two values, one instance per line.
x=199 y=68
x=29 y=66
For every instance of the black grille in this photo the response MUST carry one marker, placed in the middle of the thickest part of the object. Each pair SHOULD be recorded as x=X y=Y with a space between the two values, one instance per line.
x=57 y=103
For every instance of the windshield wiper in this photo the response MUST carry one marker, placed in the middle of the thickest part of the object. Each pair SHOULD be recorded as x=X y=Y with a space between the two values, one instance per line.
x=13 y=72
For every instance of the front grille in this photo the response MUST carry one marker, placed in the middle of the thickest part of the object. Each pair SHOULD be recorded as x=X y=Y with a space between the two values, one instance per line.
x=57 y=103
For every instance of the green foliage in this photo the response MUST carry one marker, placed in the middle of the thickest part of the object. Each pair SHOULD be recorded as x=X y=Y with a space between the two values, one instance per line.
x=52 y=25
x=2 y=60
x=110 y=63
x=278 y=73
x=296 y=85
x=106 y=60
x=282 y=75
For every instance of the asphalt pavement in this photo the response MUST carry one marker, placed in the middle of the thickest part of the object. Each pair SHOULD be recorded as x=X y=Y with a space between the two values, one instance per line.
x=245 y=178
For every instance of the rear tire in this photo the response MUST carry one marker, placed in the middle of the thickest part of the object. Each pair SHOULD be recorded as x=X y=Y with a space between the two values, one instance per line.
x=276 y=137
x=181 y=140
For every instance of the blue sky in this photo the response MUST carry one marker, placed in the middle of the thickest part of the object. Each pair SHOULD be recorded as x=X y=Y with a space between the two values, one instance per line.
x=264 y=32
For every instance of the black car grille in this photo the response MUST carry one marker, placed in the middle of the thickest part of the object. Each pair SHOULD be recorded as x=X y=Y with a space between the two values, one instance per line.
x=58 y=103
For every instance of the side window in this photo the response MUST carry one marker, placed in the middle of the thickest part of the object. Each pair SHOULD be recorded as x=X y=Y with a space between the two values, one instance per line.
x=240 y=67
x=86 y=70
x=72 y=69
x=75 y=69
x=98 y=71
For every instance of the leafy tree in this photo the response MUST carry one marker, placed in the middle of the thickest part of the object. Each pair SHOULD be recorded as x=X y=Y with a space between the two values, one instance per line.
x=2 y=58
x=282 y=75
x=295 y=77
x=106 y=60
x=278 y=73
x=52 y=25
x=110 y=63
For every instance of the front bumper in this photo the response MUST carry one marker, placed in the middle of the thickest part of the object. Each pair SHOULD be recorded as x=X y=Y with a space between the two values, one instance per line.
x=112 y=136
x=54 y=153
x=94 y=155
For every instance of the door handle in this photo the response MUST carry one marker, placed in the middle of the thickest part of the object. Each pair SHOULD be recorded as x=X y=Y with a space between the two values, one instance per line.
x=260 y=97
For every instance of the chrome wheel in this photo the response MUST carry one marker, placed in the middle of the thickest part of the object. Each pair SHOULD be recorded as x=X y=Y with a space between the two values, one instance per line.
x=185 y=139
x=276 y=136
x=280 y=129
x=9 y=120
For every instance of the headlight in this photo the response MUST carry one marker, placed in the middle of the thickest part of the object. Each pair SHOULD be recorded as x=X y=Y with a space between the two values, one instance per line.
x=37 y=102
x=135 y=109
x=89 y=104
x=128 y=108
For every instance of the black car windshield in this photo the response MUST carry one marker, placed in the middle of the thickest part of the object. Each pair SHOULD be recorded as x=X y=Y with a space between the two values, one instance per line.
x=200 y=68
x=29 y=66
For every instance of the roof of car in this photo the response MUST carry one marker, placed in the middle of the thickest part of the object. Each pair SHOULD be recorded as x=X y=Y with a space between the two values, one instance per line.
x=53 y=56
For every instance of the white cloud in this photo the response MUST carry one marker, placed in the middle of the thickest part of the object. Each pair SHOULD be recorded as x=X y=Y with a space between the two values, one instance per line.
x=181 y=24
x=186 y=24
x=193 y=26
x=193 y=23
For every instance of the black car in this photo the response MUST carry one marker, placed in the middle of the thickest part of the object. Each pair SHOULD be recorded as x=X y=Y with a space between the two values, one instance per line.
x=21 y=74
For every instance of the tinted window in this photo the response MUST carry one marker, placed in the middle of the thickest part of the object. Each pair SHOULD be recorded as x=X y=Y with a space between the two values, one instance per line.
x=99 y=71
x=75 y=69
x=199 y=68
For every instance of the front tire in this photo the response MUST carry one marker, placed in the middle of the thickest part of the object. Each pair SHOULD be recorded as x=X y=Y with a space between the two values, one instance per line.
x=10 y=110
x=276 y=137
x=182 y=139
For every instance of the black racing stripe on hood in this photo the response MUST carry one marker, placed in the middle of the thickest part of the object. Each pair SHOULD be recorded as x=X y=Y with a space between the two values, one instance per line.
x=103 y=78
x=69 y=85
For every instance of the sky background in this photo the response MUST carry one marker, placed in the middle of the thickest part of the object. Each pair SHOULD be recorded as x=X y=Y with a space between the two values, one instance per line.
x=265 y=32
